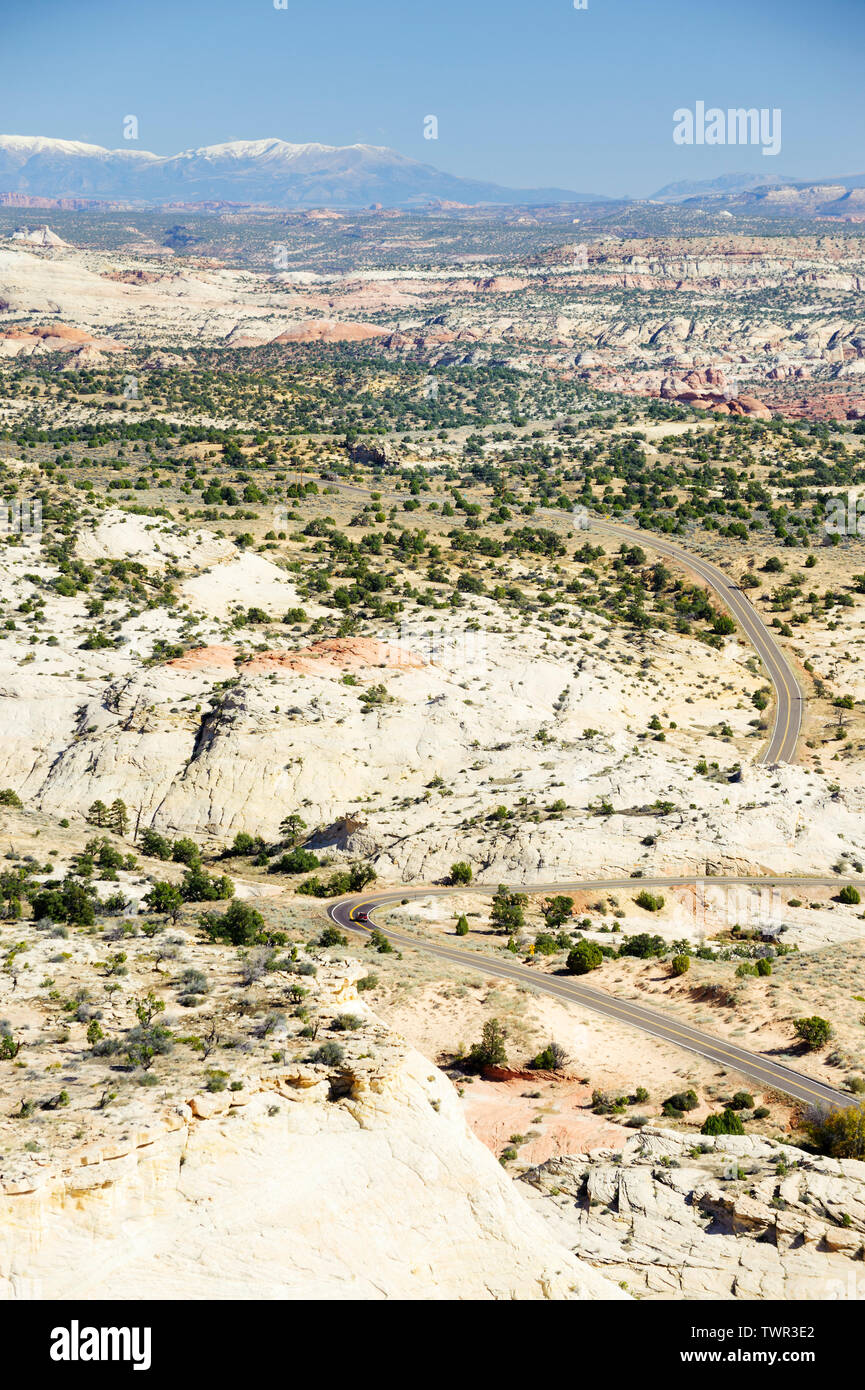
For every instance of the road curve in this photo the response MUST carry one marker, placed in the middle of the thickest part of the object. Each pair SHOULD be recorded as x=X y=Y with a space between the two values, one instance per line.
x=754 y=1066
x=789 y=696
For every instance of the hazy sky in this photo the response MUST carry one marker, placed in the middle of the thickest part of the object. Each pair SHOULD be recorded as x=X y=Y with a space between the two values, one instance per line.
x=526 y=92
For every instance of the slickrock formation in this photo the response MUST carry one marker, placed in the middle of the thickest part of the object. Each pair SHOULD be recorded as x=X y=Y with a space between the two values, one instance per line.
x=358 y=1179
x=727 y=1217
x=38 y=236
x=326 y=331
x=709 y=390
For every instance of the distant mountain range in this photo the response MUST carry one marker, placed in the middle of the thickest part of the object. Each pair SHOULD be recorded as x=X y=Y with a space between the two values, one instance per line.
x=733 y=185
x=275 y=173
x=270 y=172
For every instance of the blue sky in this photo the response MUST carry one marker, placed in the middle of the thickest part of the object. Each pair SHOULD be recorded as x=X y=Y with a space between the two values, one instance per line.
x=527 y=92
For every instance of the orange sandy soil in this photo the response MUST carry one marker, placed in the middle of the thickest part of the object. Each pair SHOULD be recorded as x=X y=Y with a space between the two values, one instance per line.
x=321 y=659
x=559 y=1118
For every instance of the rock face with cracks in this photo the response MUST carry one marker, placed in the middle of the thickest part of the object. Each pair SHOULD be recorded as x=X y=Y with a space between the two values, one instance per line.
x=726 y=1217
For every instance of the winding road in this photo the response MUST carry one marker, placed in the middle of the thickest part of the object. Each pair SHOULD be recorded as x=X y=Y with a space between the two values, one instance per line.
x=789 y=696
x=789 y=709
x=759 y=1068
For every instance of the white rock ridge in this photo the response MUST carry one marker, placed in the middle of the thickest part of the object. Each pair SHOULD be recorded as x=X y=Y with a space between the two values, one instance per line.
x=291 y=1191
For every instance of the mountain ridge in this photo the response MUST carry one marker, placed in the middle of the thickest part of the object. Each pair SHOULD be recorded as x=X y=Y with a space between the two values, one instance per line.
x=271 y=171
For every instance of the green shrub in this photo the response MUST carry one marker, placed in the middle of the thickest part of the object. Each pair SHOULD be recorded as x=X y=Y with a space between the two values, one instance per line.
x=814 y=1032
x=507 y=911
x=461 y=872
x=586 y=956
x=552 y=1058
x=742 y=1100
x=296 y=861
x=240 y=924
x=164 y=897
x=652 y=902
x=490 y=1051
x=838 y=1133
x=643 y=945
x=604 y=1104
x=682 y=1100
x=71 y=902
x=244 y=844
x=332 y=936
x=849 y=894
x=723 y=1122
x=186 y=852
x=557 y=911
x=155 y=846
x=146 y=1042
x=198 y=886
x=680 y=964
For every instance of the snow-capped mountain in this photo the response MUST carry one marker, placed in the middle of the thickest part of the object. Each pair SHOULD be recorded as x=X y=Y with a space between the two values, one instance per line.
x=273 y=172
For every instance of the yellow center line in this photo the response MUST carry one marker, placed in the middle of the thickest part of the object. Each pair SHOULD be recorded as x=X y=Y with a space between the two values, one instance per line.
x=638 y=1012
x=607 y=1005
x=759 y=634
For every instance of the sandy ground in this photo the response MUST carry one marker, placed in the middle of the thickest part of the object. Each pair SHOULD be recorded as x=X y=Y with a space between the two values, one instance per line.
x=540 y=1118
x=441 y=1010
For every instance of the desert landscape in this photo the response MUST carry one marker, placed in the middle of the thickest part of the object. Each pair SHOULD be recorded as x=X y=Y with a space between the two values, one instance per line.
x=432 y=671
x=264 y=649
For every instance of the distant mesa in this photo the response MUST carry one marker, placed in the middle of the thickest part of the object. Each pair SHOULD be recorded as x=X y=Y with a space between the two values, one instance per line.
x=841 y=198
x=725 y=183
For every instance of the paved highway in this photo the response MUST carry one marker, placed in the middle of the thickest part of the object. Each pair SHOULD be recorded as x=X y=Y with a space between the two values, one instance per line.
x=762 y=1070
x=789 y=696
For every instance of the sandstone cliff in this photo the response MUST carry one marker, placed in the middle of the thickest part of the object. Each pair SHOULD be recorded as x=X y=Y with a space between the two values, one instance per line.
x=726 y=1217
x=353 y=1180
